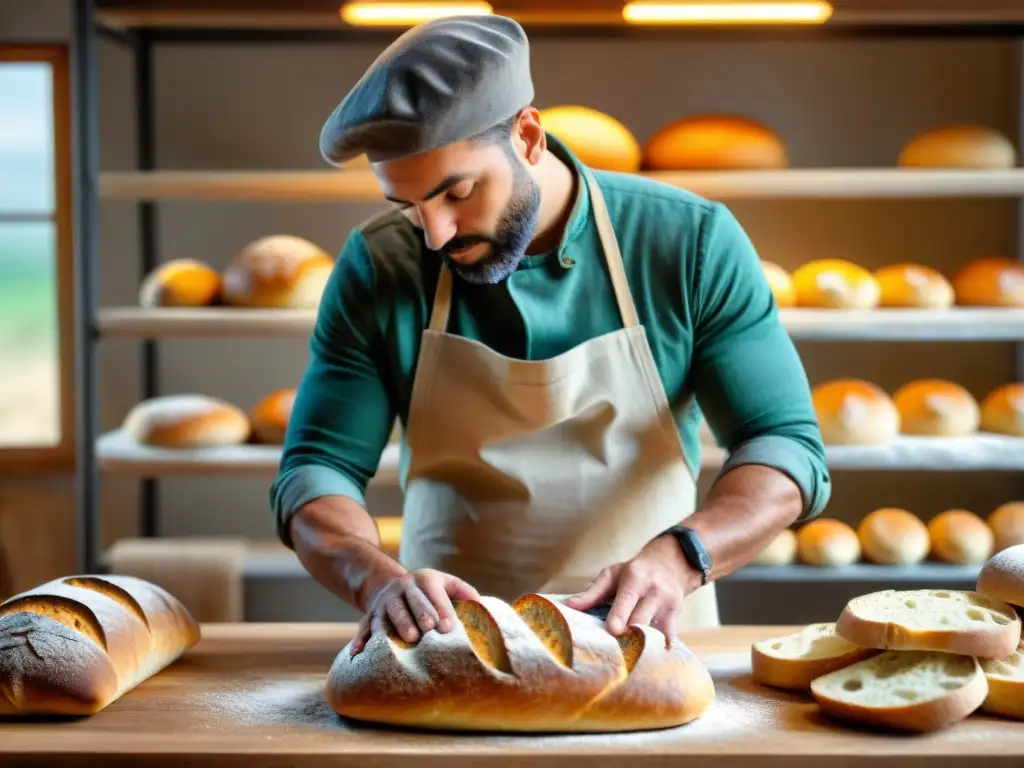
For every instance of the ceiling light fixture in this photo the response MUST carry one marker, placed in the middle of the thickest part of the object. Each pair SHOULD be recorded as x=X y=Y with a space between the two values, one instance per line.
x=728 y=12
x=398 y=14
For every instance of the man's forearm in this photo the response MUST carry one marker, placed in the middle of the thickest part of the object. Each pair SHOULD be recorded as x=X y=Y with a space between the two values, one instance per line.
x=338 y=543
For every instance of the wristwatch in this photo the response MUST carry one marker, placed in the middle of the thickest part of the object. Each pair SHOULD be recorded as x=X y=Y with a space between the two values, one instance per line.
x=693 y=548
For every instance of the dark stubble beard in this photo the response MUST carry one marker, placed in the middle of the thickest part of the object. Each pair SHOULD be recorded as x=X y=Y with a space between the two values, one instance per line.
x=508 y=245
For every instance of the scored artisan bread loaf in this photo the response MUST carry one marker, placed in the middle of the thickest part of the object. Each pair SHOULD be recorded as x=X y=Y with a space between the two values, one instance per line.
x=1005 y=685
x=278 y=272
x=792 y=661
x=533 y=665
x=186 y=421
x=1002 y=576
x=947 y=621
x=75 y=644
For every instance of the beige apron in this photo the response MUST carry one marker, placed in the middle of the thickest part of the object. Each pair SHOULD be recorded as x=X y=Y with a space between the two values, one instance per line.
x=532 y=476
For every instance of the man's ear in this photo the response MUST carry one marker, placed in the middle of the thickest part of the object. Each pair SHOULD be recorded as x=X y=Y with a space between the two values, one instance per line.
x=528 y=136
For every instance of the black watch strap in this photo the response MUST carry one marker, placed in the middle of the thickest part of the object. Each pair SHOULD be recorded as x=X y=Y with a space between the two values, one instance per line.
x=694 y=551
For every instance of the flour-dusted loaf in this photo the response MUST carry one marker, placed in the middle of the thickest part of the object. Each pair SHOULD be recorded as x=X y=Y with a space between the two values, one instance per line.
x=533 y=665
x=186 y=421
x=792 y=661
x=1005 y=685
x=1002 y=576
x=74 y=645
x=916 y=691
x=948 y=621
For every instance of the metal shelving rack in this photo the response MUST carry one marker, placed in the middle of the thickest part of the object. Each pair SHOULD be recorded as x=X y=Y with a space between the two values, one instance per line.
x=98 y=453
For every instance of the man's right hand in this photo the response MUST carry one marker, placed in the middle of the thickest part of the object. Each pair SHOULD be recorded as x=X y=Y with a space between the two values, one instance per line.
x=415 y=602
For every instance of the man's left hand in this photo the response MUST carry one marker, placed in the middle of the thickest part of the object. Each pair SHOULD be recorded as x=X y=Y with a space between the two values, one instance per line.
x=647 y=590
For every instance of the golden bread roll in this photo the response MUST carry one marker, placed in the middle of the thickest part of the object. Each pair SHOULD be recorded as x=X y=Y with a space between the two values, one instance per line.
x=269 y=417
x=835 y=284
x=74 y=645
x=913 y=286
x=278 y=271
x=892 y=536
x=781 y=284
x=597 y=139
x=959 y=146
x=827 y=542
x=186 y=421
x=936 y=407
x=793 y=661
x=855 y=412
x=1007 y=524
x=1005 y=685
x=534 y=665
x=990 y=281
x=780 y=551
x=1002 y=410
x=180 y=283
x=714 y=143
x=1002 y=576
x=960 y=537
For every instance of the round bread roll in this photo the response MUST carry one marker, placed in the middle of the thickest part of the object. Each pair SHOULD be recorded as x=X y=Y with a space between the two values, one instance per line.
x=781 y=550
x=936 y=407
x=960 y=537
x=269 y=417
x=827 y=542
x=180 y=283
x=892 y=536
x=781 y=284
x=1002 y=411
x=279 y=271
x=835 y=284
x=990 y=281
x=714 y=143
x=959 y=146
x=912 y=286
x=1002 y=576
x=855 y=412
x=186 y=421
x=597 y=139
x=1007 y=524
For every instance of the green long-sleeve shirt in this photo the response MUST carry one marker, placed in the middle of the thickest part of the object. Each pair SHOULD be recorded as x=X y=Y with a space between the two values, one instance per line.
x=699 y=290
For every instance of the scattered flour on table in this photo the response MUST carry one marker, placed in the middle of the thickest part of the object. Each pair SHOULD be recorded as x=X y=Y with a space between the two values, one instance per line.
x=277 y=702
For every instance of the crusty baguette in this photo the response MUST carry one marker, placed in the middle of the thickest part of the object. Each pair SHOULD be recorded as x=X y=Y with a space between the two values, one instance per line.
x=74 y=645
x=794 y=660
x=1005 y=685
x=534 y=665
x=952 y=621
x=1002 y=576
x=904 y=690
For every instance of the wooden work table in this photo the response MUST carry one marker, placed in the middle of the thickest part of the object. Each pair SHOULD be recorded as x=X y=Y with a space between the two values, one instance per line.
x=250 y=695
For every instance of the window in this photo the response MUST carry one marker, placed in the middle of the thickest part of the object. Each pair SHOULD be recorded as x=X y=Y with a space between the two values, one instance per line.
x=36 y=335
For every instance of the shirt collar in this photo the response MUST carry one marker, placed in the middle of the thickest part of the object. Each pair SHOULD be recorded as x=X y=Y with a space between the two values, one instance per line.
x=581 y=207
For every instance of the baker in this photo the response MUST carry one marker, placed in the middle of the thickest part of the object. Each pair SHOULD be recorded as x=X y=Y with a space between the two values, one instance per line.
x=548 y=336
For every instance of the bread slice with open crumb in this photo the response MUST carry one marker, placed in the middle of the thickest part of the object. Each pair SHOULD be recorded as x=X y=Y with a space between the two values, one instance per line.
x=951 y=621
x=1005 y=685
x=918 y=691
x=792 y=661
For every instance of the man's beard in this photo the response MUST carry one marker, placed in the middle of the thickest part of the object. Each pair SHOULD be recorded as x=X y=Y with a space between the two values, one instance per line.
x=509 y=244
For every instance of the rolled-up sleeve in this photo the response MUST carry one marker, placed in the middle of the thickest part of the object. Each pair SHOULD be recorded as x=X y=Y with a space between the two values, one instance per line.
x=342 y=415
x=747 y=376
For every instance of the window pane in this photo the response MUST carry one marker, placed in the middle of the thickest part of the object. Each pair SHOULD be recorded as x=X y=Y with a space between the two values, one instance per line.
x=29 y=337
x=26 y=137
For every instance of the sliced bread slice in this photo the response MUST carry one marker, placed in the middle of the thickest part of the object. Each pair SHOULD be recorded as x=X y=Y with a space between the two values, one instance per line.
x=1005 y=685
x=952 y=621
x=793 y=661
x=916 y=691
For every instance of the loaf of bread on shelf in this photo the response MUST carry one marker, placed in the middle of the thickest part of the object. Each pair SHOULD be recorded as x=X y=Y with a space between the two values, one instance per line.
x=597 y=139
x=1005 y=685
x=960 y=537
x=990 y=281
x=944 y=621
x=1002 y=576
x=792 y=661
x=714 y=143
x=827 y=542
x=74 y=645
x=913 y=286
x=269 y=417
x=533 y=665
x=277 y=272
x=180 y=283
x=186 y=421
x=835 y=284
x=781 y=284
x=893 y=536
x=1007 y=524
x=852 y=411
x=937 y=408
x=962 y=145
x=780 y=551
x=1002 y=410
x=916 y=691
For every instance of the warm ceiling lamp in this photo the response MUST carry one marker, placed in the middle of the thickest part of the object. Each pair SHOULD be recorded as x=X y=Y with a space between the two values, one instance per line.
x=728 y=12
x=398 y=14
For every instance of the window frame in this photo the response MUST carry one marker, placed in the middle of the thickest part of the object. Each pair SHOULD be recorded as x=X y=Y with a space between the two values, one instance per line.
x=60 y=457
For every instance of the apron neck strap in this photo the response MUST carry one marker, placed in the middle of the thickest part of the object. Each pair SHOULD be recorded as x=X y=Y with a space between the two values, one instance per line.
x=442 y=301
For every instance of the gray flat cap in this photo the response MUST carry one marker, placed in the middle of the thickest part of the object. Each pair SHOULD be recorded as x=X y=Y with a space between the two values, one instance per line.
x=440 y=82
